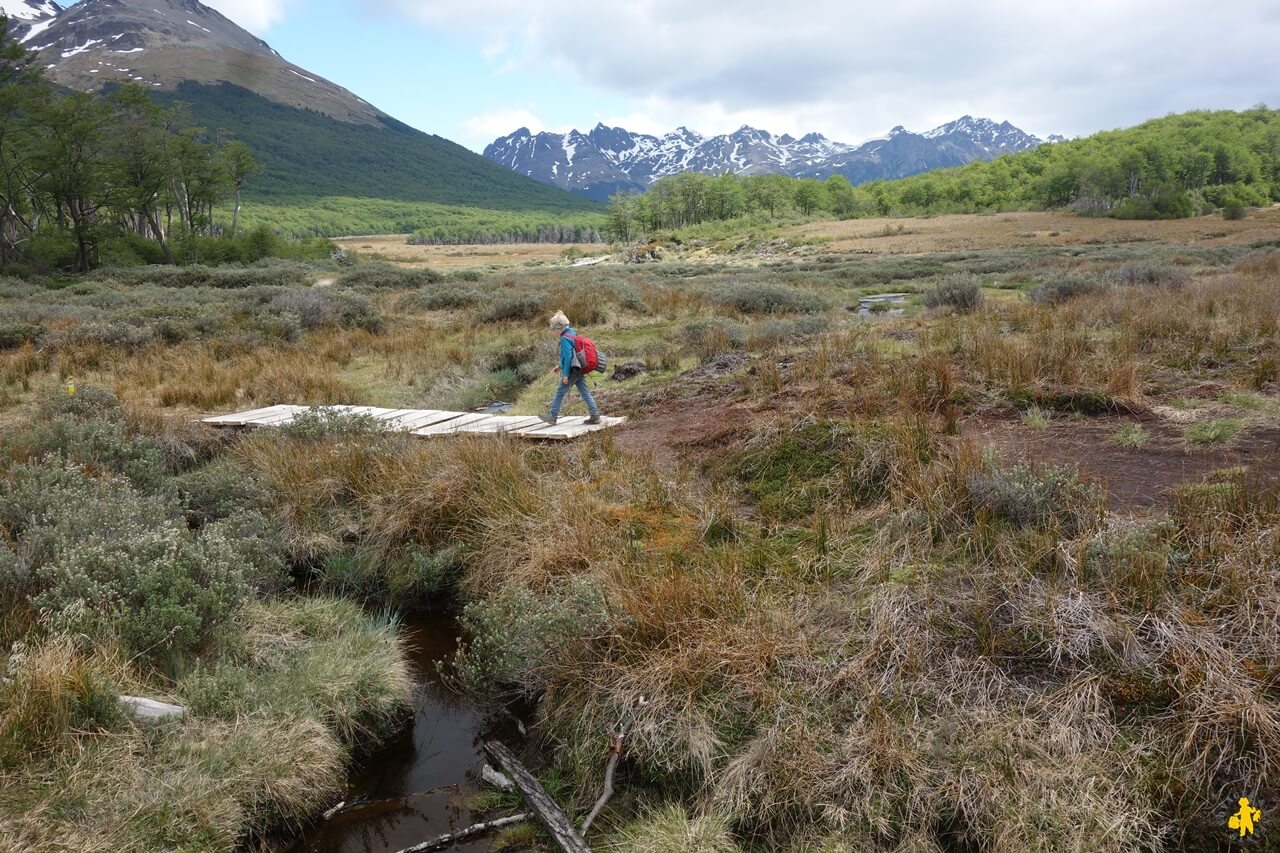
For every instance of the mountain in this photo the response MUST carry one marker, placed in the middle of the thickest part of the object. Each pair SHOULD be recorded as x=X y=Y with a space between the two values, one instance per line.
x=608 y=159
x=314 y=138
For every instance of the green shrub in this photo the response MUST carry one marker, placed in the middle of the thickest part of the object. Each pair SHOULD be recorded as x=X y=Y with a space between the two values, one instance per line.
x=14 y=333
x=321 y=422
x=87 y=403
x=316 y=308
x=1060 y=287
x=442 y=297
x=754 y=298
x=1045 y=497
x=217 y=491
x=515 y=306
x=378 y=275
x=1234 y=211
x=712 y=336
x=961 y=292
x=96 y=442
x=1148 y=274
x=516 y=633
x=1165 y=203
x=109 y=561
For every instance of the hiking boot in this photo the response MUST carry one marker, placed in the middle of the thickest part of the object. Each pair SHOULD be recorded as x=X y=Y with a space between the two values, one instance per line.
x=548 y=419
x=593 y=420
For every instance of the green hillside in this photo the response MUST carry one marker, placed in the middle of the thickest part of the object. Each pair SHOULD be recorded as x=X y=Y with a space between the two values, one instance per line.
x=1164 y=168
x=307 y=155
x=1167 y=168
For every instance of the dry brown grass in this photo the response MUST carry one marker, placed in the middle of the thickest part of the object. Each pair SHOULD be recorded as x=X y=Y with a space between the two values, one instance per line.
x=955 y=233
x=395 y=248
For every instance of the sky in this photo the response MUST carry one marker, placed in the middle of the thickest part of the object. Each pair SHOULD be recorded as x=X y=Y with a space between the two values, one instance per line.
x=473 y=70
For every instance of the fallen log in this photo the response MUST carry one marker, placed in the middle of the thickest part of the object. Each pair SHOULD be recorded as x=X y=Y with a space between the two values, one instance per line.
x=450 y=838
x=550 y=815
x=142 y=710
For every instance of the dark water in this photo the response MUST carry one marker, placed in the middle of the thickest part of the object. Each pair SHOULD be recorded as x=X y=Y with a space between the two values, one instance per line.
x=417 y=787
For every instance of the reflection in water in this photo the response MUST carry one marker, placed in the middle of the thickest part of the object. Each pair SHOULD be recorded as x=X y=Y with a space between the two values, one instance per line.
x=416 y=787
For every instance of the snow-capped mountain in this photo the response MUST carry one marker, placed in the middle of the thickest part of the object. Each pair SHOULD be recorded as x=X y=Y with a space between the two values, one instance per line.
x=26 y=15
x=607 y=159
x=29 y=10
x=162 y=43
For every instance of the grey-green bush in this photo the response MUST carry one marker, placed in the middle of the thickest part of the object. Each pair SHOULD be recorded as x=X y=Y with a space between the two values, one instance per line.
x=961 y=292
x=757 y=298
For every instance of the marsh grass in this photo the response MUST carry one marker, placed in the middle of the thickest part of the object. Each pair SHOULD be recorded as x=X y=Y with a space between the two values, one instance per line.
x=1217 y=431
x=1131 y=435
x=855 y=630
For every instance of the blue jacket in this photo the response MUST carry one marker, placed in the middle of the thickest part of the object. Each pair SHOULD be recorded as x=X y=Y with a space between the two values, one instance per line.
x=566 y=350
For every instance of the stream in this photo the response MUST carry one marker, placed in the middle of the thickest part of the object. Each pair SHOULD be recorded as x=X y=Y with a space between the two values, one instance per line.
x=418 y=786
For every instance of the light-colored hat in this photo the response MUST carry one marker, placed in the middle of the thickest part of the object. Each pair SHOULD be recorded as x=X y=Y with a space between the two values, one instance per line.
x=559 y=321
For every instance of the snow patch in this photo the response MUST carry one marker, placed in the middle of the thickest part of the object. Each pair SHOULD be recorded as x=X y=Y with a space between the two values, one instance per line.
x=75 y=51
x=198 y=27
x=303 y=76
x=36 y=29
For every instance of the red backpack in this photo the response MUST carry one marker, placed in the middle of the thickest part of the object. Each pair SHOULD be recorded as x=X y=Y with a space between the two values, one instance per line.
x=585 y=353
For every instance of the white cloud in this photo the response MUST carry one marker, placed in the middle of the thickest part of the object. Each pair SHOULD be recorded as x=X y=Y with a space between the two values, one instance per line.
x=481 y=129
x=257 y=16
x=853 y=70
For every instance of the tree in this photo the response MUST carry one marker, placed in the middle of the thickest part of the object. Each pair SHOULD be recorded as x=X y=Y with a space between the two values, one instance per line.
x=807 y=195
x=138 y=158
x=19 y=79
x=239 y=166
x=69 y=156
x=841 y=197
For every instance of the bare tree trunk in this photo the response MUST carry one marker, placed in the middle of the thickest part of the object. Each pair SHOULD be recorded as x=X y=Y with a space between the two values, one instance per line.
x=235 y=216
x=159 y=232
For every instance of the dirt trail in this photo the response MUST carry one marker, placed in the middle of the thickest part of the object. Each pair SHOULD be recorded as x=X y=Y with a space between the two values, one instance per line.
x=1136 y=478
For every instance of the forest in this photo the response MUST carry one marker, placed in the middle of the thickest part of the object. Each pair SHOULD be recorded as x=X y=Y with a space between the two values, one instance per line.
x=1168 y=168
x=87 y=179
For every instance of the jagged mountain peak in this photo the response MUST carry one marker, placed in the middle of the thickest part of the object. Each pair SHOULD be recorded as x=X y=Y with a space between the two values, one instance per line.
x=609 y=159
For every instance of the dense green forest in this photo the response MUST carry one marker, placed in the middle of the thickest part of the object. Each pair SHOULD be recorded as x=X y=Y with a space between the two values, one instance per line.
x=1172 y=167
x=432 y=224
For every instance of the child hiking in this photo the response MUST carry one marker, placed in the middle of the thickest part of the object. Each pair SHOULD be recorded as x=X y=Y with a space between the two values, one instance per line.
x=578 y=357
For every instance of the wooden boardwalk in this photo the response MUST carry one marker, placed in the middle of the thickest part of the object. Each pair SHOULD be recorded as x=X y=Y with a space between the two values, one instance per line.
x=428 y=422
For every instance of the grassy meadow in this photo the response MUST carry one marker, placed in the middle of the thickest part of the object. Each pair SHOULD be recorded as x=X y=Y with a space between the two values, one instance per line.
x=989 y=569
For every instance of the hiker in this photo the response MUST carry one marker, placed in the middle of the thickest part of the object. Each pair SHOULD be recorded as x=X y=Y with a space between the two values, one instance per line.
x=571 y=371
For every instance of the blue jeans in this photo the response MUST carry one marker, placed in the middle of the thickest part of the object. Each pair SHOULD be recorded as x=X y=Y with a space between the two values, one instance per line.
x=576 y=379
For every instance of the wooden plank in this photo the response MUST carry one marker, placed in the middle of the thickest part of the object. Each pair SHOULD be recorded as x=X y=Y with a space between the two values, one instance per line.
x=503 y=424
x=427 y=422
x=540 y=803
x=425 y=418
x=239 y=418
x=452 y=425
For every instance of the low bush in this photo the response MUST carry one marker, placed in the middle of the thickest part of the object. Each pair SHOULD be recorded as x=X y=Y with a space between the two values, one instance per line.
x=442 y=297
x=1148 y=274
x=708 y=338
x=517 y=306
x=316 y=308
x=1045 y=497
x=960 y=292
x=516 y=634
x=758 y=298
x=378 y=275
x=1060 y=287
x=110 y=562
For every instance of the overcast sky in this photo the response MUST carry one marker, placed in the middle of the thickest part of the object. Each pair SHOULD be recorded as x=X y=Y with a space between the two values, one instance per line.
x=471 y=70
